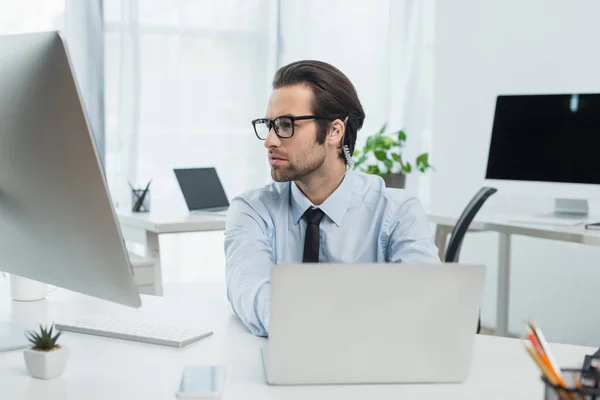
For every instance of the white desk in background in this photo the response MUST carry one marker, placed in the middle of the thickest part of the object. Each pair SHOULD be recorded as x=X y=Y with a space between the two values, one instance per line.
x=145 y=228
x=506 y=226
x=103 y=368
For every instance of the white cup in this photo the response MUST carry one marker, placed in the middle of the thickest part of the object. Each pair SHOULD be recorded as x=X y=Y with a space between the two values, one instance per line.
x=24 y=289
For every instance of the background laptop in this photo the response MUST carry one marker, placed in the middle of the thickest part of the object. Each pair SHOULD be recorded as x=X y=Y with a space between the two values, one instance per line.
x=202 y=190
x=372 y=323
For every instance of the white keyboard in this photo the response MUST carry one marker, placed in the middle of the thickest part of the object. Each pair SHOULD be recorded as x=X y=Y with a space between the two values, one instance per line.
x=135 y=331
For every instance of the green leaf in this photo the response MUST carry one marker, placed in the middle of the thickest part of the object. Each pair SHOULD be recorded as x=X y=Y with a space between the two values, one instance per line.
x=401 y=136
x=32 y=337
x=55 y=339
x=423 y=159
x=370 y=144
x=381 y=143
x=388 y=164
x=383 y=128
x=387 y=141
x=44 y=339
x=373 y=169
x=396 y=157
x=407 y=167
x=380 y=155
x=423 y=162
x=356 y=153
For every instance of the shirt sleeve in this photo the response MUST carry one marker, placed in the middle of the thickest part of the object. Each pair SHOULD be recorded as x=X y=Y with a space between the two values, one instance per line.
x=411 y=240
x=248 y=255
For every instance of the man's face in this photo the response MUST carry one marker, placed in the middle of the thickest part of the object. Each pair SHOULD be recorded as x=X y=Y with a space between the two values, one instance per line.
x=294 y=158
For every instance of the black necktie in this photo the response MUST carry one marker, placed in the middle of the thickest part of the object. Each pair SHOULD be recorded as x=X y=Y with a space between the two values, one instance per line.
x=313 y=218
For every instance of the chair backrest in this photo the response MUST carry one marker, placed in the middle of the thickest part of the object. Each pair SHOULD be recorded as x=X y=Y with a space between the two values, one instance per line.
x=465 y=219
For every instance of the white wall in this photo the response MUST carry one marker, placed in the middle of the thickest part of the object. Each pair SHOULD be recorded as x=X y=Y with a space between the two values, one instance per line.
x=482 y=49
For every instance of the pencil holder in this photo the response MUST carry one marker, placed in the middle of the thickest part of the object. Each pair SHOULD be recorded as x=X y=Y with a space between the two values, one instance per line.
x=140 y=200
x=582 y=384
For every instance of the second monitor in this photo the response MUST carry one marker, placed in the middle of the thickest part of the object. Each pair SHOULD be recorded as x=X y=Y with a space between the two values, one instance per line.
x=547 y=144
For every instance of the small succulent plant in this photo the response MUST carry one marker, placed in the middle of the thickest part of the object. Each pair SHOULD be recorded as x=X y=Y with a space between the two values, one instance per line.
x=43 y=340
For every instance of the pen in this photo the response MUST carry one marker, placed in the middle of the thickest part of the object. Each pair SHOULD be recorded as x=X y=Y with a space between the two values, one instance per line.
x=140 y=200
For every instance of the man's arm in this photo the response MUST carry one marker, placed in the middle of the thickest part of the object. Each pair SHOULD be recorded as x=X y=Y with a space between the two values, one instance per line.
x=248 y=257
x=411 y=240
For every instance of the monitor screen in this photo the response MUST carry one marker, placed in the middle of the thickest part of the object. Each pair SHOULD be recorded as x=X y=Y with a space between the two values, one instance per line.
x=546 y=138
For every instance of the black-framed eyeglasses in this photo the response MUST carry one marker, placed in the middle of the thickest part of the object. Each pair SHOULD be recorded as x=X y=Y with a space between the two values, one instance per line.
x=283 y=126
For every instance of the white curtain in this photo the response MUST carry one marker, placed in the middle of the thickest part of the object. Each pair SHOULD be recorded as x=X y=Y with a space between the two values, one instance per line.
x=18 y=16
x=183 y=81
x=412 y=28
x=84 y=30
x=183 y=78
x=385 y=47
x=80 y=23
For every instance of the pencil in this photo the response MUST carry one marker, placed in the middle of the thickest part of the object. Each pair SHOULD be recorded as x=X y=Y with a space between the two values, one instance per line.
x=545 y=346
x=544 y=354
x=545 y=371
x=546 y=361
x=539 y=363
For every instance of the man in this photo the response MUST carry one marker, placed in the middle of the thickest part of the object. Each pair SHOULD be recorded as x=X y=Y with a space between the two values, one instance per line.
x=317 y=210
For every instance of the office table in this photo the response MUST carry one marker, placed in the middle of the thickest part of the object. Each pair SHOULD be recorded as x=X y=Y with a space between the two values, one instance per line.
x=104 y=368
x=145 y=228
x=505 y=225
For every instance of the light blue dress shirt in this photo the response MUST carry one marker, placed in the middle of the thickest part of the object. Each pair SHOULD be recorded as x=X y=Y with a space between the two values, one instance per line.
x=364 y=222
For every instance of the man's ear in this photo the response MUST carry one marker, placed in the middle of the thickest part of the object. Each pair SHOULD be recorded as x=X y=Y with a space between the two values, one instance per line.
x=337 y=130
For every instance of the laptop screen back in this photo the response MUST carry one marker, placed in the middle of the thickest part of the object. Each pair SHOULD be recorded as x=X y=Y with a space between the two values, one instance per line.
x=201 y=188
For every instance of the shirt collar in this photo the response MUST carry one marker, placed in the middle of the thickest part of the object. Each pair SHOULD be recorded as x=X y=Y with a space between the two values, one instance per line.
x=335 y=206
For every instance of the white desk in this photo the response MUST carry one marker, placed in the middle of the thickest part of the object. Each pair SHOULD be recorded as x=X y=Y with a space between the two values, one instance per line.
x=102 y=368
x=145 y=228
x=504 y=225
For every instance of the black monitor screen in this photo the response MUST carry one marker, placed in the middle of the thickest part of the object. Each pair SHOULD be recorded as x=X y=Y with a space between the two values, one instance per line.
x=546 y=138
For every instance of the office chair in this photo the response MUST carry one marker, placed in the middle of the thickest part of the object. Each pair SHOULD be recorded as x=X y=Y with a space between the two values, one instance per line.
x=462 y=225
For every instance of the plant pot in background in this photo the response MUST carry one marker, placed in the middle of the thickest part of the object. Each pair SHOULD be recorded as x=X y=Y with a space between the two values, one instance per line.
x=395 y=180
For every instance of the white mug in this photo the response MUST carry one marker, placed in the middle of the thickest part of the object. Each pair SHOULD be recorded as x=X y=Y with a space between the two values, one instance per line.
x=24 y=289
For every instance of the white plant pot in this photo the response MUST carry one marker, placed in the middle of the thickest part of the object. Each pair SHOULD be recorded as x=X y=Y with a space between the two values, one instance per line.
x=24 y=289
x=46 y=364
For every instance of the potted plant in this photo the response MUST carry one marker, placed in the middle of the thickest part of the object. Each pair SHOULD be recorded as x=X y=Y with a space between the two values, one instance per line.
x=382 y=155
x=46 y=359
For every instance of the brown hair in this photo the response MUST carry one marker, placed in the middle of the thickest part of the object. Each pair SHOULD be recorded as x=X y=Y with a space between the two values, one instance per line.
x=334 y=97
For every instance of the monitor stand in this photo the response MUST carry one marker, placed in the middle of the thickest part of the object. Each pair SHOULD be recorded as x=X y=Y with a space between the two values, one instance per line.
x=571 y=208
x=567 y=212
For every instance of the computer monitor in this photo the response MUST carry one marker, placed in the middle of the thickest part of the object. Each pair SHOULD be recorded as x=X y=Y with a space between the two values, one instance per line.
x=57 y=222
x=547 y=145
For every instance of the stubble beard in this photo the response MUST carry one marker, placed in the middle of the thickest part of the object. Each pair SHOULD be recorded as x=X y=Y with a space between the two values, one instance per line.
x=295 y=172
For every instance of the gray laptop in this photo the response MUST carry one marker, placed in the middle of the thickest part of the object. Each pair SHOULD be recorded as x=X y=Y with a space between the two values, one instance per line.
x=202 y=190
x=372 y=323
